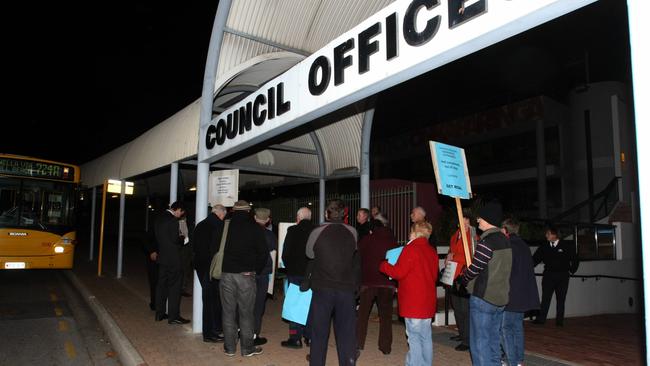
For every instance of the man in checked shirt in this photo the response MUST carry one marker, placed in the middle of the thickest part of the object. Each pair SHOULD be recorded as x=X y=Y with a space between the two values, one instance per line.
x=488 y=281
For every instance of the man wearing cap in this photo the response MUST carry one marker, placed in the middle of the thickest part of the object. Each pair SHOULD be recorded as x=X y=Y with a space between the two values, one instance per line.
x=169 y=241
x=245 y=255
x=207 y=239
x=488 y=282
x=262 y=218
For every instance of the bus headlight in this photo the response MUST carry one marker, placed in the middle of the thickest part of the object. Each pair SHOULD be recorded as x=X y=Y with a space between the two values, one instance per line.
x=58 y=249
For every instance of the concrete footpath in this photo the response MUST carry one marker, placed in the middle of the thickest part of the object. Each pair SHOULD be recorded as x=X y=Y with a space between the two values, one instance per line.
x=122 y=308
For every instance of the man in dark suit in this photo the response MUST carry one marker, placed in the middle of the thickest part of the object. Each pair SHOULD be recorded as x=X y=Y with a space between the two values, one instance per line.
x=207 y=241
x=560 y=259
x=295 y=262
x=169 y=242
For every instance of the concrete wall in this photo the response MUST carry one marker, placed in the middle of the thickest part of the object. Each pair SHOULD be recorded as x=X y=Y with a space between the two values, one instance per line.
x=593 y=296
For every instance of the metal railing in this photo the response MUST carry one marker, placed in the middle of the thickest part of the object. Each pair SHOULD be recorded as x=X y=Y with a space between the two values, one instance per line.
x=594 y=208
x=395 y=203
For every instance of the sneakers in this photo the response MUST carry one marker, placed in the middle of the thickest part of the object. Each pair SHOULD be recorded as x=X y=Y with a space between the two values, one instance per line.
x=256 y=351
x=229 y=353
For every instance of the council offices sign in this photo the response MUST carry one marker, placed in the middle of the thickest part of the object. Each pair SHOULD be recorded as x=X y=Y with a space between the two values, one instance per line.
x=401 y=41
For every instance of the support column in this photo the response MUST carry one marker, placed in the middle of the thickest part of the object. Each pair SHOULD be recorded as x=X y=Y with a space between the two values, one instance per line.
x=541 y=169
x=366 y=130
x=120 y=239
x=202 y=181
x=93 y=206
x=173 y=183
x=203 y=168
x=322 y=173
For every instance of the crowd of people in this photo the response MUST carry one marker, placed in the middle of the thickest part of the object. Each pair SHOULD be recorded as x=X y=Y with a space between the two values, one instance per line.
x=347 y=270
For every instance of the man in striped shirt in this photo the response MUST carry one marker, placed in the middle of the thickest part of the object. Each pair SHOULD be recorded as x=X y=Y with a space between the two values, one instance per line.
x=488 y=282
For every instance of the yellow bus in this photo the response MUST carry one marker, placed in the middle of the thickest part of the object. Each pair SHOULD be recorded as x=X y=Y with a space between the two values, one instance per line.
x=37 y=213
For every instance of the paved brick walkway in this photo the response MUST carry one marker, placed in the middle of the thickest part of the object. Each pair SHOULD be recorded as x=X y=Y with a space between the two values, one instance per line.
x=162 y=344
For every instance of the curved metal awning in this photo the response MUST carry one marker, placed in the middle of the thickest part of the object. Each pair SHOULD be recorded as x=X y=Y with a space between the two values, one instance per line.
x=261 y=40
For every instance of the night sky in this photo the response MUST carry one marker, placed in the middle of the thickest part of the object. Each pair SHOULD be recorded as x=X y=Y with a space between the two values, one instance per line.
x=85 y=79
x=89 y=78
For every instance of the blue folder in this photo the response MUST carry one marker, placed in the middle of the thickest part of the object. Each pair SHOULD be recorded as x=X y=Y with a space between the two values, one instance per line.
x=393 y=254
x=296 y=304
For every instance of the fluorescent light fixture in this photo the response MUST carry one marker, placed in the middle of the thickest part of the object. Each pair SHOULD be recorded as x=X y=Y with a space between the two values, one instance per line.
x=115 y=186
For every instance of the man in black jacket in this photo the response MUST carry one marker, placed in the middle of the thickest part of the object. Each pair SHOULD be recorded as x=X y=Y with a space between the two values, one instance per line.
x=523 y=295
x=169 y=260
x=263 y=218
x=245 y=256
x=207 y=241
x=295 y=262
x=335 y=279
x=560 y=259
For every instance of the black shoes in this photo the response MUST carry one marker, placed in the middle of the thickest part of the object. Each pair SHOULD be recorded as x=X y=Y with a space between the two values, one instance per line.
x=385 y=352
x=307 y=342
x=456 y=338
x=179 y=320
x=152 y=306
x=292 y=343
x=258 y=341
x=161 y=317
x=461 y=347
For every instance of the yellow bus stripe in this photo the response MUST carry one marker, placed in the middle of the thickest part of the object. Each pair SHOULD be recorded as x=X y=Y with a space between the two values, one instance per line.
x=63 y=326
x=69 y=349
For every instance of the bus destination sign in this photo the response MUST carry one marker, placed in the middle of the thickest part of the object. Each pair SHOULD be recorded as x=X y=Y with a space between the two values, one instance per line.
x=35 y=169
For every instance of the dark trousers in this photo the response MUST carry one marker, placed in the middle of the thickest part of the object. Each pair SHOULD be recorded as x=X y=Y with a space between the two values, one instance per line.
x=169 y=290
x=460 y=303
x=557 y=282
x=187 y=281
x=260 y=300
x=238 y=300
x=340 y=304
x=152 y=276
x=211 y=304
x=384 y=296
x=296 y=330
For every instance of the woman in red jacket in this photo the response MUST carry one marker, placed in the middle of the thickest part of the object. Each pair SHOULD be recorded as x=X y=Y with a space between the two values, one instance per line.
x=416 y=272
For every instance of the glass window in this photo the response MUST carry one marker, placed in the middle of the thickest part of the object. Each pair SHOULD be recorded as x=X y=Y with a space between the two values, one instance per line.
x=35 y=204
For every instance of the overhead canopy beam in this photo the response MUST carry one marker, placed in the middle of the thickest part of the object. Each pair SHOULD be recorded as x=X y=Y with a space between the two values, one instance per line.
x=266 y=41
x=293 y=149
x=262 y=170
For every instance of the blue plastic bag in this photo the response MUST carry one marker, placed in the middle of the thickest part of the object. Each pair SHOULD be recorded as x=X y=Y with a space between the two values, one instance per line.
x=296 y=304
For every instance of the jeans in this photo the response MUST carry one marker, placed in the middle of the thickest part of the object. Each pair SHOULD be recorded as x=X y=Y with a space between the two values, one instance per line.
x=484 y=332
x=340 y=305
x=420 y=351
x=238 y=295
x=512 y=337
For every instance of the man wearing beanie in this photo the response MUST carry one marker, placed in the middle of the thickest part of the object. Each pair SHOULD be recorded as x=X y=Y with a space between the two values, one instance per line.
x=488 y=282
x=245 y=256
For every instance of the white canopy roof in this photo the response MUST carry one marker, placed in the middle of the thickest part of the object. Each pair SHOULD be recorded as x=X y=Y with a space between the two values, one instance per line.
x=262 y=39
